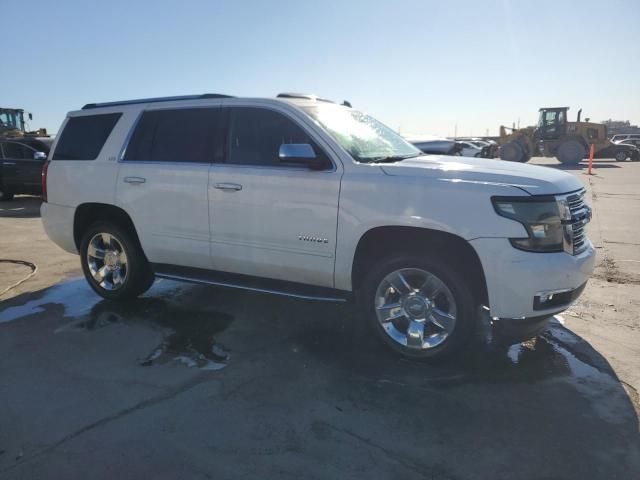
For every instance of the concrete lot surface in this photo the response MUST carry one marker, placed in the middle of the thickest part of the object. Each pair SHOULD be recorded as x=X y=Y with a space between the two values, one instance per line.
x=200 y=382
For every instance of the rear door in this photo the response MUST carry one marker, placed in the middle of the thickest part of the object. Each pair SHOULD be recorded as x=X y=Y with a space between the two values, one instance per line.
x=163 y=180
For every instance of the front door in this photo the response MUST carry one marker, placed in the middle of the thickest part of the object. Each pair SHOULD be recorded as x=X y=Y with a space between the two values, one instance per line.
x=21 y=171
x=268 y=218
x=163 y=180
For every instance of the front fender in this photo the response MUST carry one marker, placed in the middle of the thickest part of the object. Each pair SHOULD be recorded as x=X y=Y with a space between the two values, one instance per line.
x=460 y=208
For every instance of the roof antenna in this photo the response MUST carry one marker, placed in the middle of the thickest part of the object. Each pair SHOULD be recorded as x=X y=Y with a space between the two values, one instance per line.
x=346 y=103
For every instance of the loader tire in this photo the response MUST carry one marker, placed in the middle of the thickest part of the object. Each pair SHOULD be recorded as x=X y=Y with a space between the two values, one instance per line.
x=571 y=152
x=513 y=152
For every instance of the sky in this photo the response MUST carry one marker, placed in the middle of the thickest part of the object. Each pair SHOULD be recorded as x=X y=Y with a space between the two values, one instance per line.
x=422 y=67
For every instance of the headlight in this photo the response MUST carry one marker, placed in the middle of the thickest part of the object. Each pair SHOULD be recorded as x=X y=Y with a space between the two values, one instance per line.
x=541 y=216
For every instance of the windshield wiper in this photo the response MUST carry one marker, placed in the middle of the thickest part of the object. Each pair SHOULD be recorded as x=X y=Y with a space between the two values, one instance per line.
x=395 y=158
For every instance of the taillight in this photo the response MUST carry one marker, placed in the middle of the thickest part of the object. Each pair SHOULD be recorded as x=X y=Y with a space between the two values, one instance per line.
x=45 y=169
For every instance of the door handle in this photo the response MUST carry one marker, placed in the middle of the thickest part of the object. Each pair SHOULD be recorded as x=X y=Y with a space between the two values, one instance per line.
x=134 y=180
x=228 y=186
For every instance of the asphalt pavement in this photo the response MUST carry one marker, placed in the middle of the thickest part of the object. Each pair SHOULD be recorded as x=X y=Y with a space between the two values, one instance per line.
x=200 y=382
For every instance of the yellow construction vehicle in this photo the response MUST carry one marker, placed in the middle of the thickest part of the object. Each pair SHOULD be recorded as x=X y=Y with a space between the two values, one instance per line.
x=12 y=124
x=555 y=136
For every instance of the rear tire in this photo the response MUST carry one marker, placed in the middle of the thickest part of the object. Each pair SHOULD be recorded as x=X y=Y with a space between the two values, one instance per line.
x=113 y=262
x=513 y=152
x=571 y=152
x=620 y=155
x=5 y=196
x=429 y=322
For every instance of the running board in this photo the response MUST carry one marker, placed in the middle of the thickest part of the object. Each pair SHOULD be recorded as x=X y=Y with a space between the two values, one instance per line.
x=249 y=283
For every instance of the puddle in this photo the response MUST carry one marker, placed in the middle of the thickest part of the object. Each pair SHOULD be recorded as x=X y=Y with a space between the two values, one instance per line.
x=557 y=354
x=190 y=330
x=190 y=333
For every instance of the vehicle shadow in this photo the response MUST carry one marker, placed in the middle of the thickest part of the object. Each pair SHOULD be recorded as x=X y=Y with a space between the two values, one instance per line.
x=548 y=408
x=597 y=164
x=22 y=206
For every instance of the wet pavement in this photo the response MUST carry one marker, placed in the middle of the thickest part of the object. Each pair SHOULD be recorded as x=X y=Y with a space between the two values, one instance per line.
x=200 y=382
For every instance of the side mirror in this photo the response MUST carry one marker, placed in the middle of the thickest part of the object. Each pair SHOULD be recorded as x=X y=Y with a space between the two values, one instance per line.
x=301 y=153
x=39 y=156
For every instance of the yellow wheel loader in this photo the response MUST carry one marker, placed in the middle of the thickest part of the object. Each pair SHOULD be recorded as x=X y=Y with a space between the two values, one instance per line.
x=555 y=136
x=12 y=124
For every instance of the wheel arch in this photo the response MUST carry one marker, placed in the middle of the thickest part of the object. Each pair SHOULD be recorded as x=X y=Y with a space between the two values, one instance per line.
x=384 y=240
x=88 y=213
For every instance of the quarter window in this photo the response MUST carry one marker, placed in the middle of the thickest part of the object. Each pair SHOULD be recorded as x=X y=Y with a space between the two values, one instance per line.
x=83 y=137
x=255 y=136
x=179 y=135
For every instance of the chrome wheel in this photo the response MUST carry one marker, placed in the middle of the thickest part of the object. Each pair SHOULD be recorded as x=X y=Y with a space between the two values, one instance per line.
x=415 y=308
x=107 y=261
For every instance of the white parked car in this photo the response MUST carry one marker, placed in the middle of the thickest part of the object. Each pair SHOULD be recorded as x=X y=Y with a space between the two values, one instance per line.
x=625 y=136
x=469 y=149
x=302 y=197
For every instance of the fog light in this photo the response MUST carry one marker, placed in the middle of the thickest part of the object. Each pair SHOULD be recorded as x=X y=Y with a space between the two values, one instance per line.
x=556 y=298
x=545 y=297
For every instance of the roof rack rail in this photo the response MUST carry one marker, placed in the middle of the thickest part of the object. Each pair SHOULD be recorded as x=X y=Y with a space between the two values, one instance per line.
x=307 y=96
x=155 y=100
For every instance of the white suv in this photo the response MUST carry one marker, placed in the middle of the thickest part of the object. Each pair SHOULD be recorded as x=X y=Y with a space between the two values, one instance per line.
x=299 y=196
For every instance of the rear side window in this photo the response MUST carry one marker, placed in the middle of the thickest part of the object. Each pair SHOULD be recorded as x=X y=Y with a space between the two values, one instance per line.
x=84 y=137
x=193 y=135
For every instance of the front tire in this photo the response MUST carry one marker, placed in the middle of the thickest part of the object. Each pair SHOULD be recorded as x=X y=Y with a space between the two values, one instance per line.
x=513 y=152
x=418 y=305
x=113 y=262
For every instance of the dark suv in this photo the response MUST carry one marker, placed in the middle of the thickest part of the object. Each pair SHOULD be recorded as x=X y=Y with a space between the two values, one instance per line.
x=21 y=161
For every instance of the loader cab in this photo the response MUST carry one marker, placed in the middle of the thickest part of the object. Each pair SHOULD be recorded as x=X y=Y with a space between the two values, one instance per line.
x=552 y=123
x=11 y=119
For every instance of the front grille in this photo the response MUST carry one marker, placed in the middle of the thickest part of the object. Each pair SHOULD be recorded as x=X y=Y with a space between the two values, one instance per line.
x=580 y=216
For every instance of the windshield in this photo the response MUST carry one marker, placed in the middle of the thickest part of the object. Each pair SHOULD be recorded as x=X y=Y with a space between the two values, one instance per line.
x=364 y=137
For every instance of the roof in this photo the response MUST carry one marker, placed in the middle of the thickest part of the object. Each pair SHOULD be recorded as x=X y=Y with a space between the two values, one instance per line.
x=155 y=100
x=297 y=98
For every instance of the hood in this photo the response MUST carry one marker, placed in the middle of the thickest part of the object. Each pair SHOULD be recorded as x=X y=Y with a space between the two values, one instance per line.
x=533 y=179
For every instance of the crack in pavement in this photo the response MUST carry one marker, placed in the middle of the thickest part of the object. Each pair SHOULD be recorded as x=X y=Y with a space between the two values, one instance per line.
x=171 y=394
x=621 y=243
x=424 y=471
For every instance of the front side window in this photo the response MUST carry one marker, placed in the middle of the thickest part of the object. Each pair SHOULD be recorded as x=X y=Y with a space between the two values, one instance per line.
x=17 y=151
x=83 y=137
x=192 y=135
x=362 y=136
x=256 y=134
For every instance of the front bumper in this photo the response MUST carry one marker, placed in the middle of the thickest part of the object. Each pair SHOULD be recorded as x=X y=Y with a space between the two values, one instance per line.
x=515 y=278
